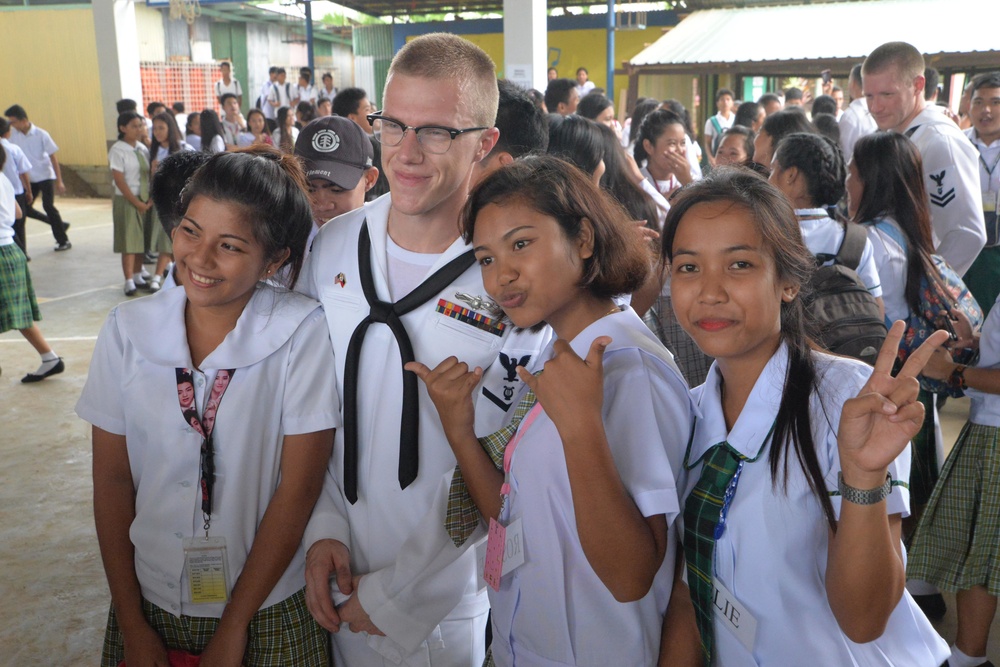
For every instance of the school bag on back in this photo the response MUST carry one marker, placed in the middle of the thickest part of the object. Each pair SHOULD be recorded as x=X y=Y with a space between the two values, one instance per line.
x=717 y=137
x=939 y=295
x=844 y=314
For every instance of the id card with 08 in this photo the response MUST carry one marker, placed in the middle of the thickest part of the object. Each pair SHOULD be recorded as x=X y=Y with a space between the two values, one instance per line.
x=207 y=569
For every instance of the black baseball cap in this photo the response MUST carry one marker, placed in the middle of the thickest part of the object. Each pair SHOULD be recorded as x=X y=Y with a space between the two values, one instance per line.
x=335 y=149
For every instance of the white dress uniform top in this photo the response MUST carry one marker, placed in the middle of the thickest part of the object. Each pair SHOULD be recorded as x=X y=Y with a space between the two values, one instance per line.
x=554 y=609
x=283 y=385
x=773 y=554
x=856 y=122
x=39 y=147
x=416 y=577
x=824 y=236
x=17 y=163
x=951 y=176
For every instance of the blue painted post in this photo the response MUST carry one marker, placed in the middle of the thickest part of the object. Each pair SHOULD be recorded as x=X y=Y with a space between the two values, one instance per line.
x=309 y=39
x=610 y=88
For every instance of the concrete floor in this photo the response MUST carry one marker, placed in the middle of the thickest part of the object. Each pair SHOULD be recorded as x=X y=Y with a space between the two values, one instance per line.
x=52 y=584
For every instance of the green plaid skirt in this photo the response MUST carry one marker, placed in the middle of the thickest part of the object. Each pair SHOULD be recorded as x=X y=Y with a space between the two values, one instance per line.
x=282 y=635
x=18 y=308
x=130 y=227
x=957 y=540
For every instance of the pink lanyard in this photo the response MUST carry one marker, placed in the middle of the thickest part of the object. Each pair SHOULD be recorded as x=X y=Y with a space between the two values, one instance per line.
x=508 y=452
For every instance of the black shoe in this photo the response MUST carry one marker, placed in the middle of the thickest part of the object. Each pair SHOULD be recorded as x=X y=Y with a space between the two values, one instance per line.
x=55 y=370
x=65 y=245
x=932 y=605
x=149 y=258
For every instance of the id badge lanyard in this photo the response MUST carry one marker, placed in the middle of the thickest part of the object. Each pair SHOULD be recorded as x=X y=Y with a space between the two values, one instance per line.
x=205 y=559
x=496 y=545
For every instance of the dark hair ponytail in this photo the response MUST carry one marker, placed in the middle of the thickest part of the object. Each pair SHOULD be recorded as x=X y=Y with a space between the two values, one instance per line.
x=778 y=227
x=892 y=174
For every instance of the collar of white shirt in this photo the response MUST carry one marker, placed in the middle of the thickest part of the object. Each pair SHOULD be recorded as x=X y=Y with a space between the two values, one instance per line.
x=268 y=321
x=751 y=429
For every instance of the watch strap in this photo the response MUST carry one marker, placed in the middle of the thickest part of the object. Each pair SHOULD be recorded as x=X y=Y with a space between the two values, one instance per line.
x=864 y=496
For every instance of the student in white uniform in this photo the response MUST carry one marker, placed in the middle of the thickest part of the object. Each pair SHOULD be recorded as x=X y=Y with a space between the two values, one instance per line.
x=809 y=171
x=661 y=153
x=46 y=174
x=983 y=277
x=719 y=123
x=794 y=527
x=955 y=546
x=337 y=157
x=17 y=168
x=128 y=159
x=213 y=409
x=381 y=513
x=893 y=81
x=18 y=307
x=590 y=487
x=166 y=141
x=886 y=194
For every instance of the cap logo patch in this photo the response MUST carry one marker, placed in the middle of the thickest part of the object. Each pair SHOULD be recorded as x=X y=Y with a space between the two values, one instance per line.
x=326 y=141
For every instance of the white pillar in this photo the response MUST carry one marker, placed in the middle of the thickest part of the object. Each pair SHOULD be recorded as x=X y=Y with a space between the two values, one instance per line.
x=525 y=42
x=118 y=58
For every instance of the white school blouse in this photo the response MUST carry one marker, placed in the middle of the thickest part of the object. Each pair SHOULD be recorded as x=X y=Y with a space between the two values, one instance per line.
x=416 y=577
x=773 y=553
x=554 y=609
x=985 y=408
x=7 y=213
x=825 y=235
x=122 y=158
x=890 y=262
x=17 y=163
x=283 y=385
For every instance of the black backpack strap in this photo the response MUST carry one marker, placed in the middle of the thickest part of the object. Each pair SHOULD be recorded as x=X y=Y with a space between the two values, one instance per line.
x=852 y=247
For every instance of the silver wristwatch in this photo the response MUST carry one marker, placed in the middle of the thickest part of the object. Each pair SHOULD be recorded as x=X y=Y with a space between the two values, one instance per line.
x=864 y=496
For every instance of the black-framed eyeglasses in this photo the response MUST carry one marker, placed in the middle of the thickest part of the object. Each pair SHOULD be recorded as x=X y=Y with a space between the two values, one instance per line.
x=432 y=138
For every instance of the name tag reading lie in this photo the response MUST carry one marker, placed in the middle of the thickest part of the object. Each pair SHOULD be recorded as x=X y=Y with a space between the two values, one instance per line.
x=504 y=551
x=734 y=615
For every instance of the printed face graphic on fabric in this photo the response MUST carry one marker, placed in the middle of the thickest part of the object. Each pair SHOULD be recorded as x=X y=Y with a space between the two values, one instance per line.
x=186 y=397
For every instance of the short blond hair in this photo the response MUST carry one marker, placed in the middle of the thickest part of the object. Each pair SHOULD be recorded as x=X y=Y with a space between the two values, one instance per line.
x=905 y=57
x=441 y=55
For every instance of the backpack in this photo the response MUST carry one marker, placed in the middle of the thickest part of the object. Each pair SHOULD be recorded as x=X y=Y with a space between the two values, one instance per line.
x=717 y=137
x=939 y=295
x=844 y=314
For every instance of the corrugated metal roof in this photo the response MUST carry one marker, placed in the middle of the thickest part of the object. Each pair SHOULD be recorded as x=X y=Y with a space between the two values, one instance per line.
x=827 y=32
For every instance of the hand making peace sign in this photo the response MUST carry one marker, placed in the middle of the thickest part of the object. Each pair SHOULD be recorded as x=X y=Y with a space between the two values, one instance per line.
x=879 y=422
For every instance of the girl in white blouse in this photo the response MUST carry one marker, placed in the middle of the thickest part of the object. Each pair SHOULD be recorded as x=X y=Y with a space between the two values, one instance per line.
x=590 y=489
x=213 y=409
x=798 y=460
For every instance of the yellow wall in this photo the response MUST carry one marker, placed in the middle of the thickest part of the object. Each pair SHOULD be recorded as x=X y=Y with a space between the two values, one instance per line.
x=582 y=48
x=48 y=77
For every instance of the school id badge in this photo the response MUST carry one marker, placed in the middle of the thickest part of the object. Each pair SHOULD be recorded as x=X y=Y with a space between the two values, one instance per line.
x=207 y=568
x=502 y=554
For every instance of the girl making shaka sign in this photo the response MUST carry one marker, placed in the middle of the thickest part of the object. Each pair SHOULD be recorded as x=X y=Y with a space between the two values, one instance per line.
x=584 y=495
x=798 y=460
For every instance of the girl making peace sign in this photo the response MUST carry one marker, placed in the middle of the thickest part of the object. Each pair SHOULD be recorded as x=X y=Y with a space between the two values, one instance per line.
x=799 y=459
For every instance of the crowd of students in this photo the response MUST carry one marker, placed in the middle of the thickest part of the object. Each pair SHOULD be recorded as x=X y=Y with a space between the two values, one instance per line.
x=562 y=371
